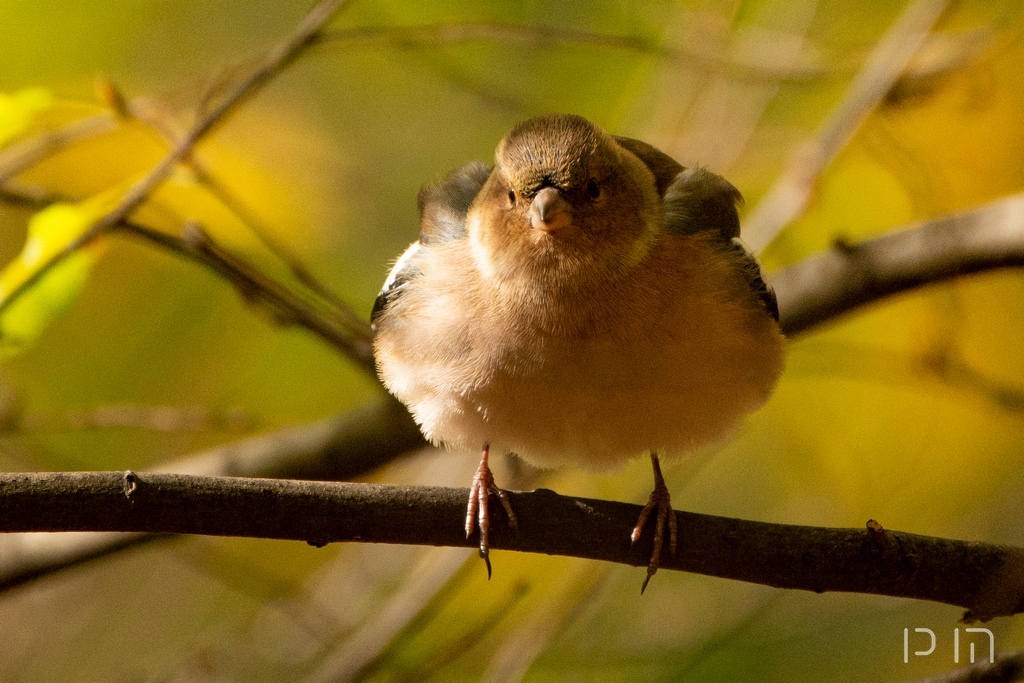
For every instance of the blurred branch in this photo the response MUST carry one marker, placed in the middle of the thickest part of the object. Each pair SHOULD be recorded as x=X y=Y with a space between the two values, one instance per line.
x=826 y=286
x=883 y=68
x=1008 y=667
x=21 y=155
x=766 y=68
x=156 y=418
x=339 y=327
x=352 y=655
x=159 y=118
x=986 y=579
x=538 y=35
x=940 y=363
x=957 y=374
x=25 y=196
x=457 y=32
x=273 y=62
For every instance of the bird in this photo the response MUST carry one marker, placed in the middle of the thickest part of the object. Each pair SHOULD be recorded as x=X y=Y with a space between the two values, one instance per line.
x=583 y=300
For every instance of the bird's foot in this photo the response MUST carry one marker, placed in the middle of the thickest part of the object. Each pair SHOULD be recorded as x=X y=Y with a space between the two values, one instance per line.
x=477 y=512
x=662 y=501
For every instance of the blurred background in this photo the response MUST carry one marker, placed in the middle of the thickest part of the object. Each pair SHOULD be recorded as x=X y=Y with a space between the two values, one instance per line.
x=909 y=412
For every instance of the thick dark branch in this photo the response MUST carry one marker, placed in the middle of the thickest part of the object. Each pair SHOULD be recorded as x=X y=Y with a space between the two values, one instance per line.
x=985 y=579
x=824 y=287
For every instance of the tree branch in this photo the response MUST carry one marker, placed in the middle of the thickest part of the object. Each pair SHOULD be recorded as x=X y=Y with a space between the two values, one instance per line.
x=538 y=35
x=889 y=59
x=338 y=325
x=21 y=155
x=826 y=286
x=986 y=579
x=275 y=60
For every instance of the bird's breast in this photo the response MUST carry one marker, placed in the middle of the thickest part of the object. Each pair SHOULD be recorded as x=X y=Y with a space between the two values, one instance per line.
x=664 y=365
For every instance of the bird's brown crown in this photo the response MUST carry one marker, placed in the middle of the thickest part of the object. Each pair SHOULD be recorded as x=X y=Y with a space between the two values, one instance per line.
x=555 y=150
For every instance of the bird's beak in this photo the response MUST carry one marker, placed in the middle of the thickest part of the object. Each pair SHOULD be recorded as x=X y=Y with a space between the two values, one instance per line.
x=549 y=211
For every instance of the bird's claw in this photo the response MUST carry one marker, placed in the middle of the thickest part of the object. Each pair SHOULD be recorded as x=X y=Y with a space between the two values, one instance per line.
x=478 y=512
x=661 y=500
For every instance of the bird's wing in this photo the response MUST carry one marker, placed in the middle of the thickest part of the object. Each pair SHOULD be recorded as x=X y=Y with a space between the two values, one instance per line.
x=695 y=199
x=754 y=274
x=700 y=201
x=399 y=276
x=664 y=167
x=443 y=207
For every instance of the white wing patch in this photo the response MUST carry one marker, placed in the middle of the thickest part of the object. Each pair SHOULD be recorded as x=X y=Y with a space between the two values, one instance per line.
x=399 y=274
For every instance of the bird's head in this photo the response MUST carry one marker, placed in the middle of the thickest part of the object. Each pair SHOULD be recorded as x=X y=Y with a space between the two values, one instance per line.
x=564 y=203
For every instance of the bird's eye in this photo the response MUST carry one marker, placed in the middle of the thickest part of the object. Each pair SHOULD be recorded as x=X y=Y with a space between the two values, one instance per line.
x=593 y=188
x=512 y=195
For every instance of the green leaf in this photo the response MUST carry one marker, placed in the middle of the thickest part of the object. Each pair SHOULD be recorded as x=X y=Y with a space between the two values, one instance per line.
x=34 y=291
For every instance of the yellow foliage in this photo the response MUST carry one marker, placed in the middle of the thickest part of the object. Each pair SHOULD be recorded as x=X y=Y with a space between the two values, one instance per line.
x=44 y=280
x=19 y=109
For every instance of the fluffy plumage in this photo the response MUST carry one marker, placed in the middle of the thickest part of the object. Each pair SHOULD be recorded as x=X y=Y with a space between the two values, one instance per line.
x=582 y=302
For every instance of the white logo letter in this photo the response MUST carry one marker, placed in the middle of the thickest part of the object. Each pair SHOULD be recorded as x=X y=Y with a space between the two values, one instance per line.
x=991 y=644
x=906 y=643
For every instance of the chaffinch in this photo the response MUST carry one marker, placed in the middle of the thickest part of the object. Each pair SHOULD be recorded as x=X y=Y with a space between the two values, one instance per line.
x=582 y=301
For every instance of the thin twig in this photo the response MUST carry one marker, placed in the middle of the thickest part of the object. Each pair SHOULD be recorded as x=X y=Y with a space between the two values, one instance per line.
x=277 y=59
x=539 y=35
x=160 y=120
x=352 y=337
x=792 y=191
x=347 y=333
x=338 y=325
x=339 y=308
x=983 y=578
x=22 y=155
